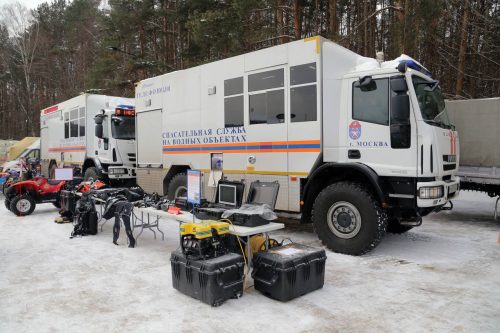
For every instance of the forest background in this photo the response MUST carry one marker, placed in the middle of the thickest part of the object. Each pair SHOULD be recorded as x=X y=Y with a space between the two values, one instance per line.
x=63 y=48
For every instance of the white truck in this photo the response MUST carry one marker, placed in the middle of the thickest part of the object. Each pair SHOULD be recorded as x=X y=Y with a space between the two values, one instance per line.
x=358 y=145
x=93 y=133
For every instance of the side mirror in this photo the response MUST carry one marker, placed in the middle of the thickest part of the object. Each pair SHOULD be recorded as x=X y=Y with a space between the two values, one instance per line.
x=400 y=109
x=98 y=119
x=366 y=83
x=398 y=84
x=99 y=130
x=400 y=122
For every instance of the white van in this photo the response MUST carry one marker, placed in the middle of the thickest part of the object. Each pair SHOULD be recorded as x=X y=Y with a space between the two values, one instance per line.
x=33 y=151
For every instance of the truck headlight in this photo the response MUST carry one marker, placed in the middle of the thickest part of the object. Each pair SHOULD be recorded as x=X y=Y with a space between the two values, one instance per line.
x=431 y=192
x=117 y=171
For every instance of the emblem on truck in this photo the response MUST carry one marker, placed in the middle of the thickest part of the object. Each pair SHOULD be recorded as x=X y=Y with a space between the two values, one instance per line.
x=355 y=130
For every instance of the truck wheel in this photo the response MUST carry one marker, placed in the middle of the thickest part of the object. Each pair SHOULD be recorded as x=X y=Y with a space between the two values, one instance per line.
x=90 y=174
x=22 y=205
x=177 y=186
x=348 y=219
x=52 y=171
x=7 y=203
x=394 y=227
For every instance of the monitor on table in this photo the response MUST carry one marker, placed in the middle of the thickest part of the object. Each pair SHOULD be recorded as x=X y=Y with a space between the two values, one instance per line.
x=227 y=194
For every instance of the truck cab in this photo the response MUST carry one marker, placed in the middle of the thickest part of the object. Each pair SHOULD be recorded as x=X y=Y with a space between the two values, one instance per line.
x=115 y=143
x=395 y=149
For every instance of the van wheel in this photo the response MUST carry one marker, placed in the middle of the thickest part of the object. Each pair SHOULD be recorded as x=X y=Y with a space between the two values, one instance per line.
x=394 y=227
x=90 y=174
x=348 y=219
x=177 y=186
x=22 y=205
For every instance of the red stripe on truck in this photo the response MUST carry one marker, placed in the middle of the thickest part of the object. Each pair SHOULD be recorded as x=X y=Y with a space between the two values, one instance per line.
x=51 y=109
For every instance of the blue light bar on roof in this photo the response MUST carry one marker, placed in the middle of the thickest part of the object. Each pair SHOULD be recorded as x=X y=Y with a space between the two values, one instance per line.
x=125 y=107
x=403 y=64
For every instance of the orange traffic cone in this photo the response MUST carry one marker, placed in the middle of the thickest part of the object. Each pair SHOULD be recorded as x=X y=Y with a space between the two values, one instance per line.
x=498 y=240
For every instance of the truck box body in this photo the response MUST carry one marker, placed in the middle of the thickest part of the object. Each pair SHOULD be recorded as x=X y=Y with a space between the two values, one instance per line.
x=67 y=134
x=477 y=122
x=182 y=115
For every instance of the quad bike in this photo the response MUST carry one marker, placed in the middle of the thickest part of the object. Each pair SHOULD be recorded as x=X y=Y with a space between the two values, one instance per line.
x=22 y=197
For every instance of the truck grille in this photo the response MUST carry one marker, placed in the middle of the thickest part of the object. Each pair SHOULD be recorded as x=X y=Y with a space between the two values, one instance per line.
x=448 y=167
x=449 y=158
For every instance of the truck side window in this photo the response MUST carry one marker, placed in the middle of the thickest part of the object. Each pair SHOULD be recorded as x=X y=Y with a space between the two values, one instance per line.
x=371 y=104
x=303 y=106
x=73 y=123
x=81 y=122
x=267 y=97
x=66 y=125
x=233 y=102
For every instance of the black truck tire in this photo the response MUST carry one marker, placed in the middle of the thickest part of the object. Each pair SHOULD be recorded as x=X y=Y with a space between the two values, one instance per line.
x=348 y=219
x=7 y=203
x=177 y=186
x=90 y=173
x=22 y=205
x=52 y=171
x=394 y=227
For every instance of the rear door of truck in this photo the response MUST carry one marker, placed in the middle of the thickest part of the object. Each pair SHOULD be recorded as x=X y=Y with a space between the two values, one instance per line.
x=148 y=136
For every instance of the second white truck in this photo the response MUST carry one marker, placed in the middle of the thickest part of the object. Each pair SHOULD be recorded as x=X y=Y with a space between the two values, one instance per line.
x=93 y=133
x=358 y=145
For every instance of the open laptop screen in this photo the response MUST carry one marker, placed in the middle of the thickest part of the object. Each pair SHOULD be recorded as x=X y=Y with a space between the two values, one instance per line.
x=263 y=195
x=227 y=194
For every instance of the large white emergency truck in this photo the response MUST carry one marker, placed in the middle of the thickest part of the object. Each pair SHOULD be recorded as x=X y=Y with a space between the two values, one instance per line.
x=358 y=145
x=93 y=133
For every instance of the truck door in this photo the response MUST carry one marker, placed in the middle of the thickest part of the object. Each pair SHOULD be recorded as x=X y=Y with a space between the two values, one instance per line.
x=267 y=129
x=148 y=137
x=44 y=140
x=103 y=144
x=303 y=128
x=370 y=125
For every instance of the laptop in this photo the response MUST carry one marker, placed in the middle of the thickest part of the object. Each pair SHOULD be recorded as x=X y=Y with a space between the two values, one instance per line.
x=229 y=195
x=260 y=193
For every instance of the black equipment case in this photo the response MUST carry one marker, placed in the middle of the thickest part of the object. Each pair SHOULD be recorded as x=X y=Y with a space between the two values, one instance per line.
x=259 y=193
x=289 y=271
x=68 y=201
x=212 y=281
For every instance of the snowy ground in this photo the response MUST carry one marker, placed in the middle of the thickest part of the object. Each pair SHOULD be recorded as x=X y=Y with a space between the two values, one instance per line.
x=442 y=276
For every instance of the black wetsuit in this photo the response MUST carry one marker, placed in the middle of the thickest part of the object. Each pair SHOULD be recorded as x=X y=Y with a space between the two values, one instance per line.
x=123 y=210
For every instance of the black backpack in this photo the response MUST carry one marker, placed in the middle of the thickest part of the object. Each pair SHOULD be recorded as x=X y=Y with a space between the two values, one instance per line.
x=86 y=218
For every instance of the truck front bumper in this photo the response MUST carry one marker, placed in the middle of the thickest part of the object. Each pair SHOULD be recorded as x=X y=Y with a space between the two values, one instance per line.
x=121 y=172
x=437 y=193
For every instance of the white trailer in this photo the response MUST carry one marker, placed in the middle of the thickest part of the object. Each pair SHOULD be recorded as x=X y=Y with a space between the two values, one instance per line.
x=364 y=144
x=68 y=137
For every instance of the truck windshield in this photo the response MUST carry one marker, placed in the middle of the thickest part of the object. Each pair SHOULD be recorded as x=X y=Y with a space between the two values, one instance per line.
x=123 y=128
x=431 y=102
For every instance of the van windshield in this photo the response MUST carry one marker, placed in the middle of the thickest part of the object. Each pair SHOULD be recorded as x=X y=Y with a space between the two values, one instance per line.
x=123 y=128
x=431 y=102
